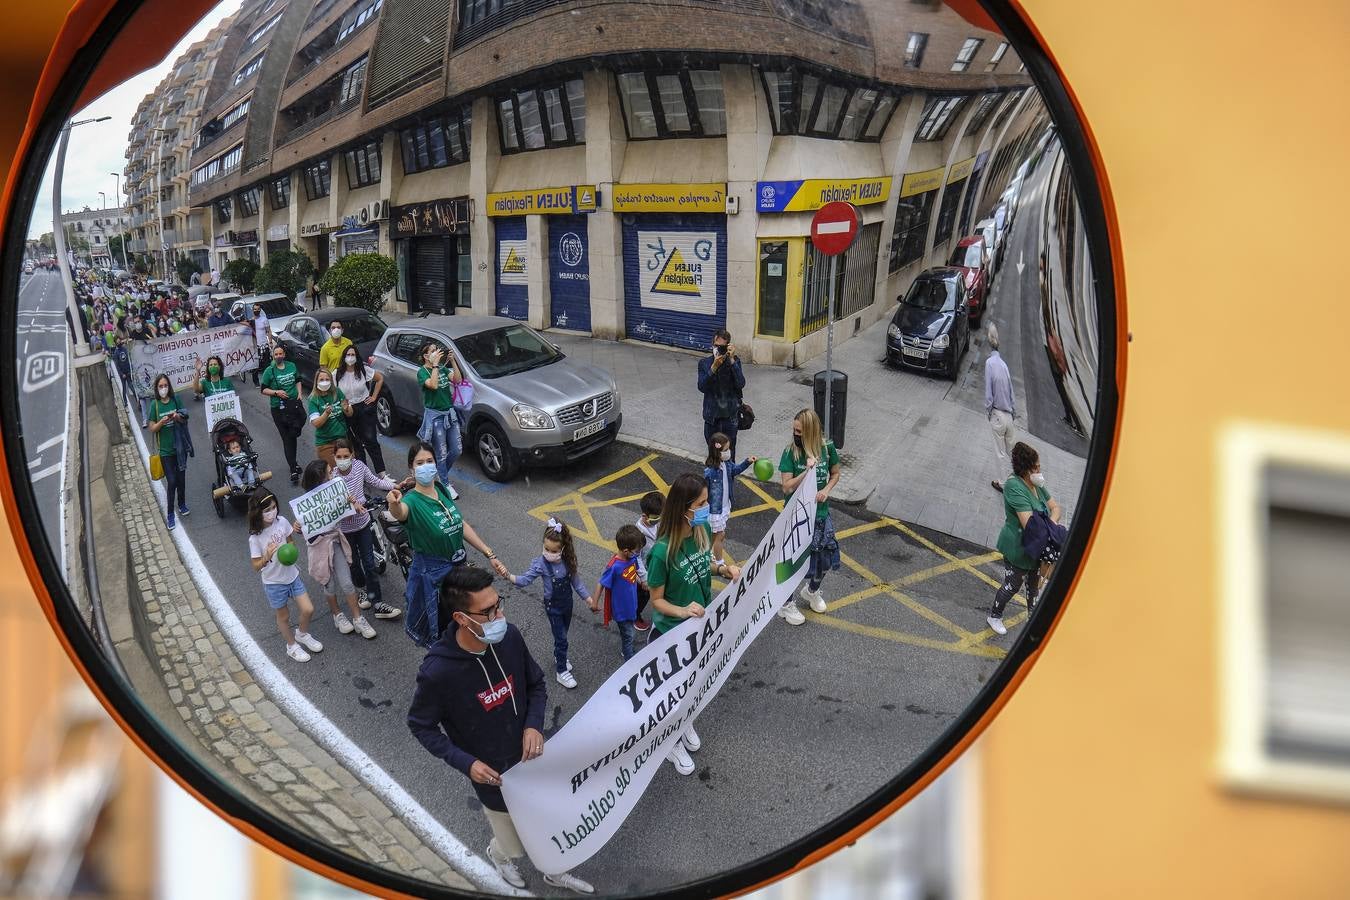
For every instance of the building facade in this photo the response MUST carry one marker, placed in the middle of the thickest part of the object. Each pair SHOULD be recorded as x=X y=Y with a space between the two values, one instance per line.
x=89 y=231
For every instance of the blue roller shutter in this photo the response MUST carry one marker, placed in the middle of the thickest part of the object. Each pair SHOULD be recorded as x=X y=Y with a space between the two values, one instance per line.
x=512 y=265
x=569 y=273
x=675 y=278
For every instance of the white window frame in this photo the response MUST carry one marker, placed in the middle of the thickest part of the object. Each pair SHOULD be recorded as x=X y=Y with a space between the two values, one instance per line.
x=1244 y=763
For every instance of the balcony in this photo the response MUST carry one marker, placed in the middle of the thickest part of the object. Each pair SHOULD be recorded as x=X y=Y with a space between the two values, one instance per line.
x=170 y=238
x=137 y=245
x=192 y=234
x=166 y=207
x=318 y=121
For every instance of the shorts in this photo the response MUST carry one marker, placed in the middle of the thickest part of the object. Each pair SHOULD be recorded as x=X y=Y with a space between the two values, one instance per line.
x=718 y=522
x=339 y=583
x=279 y=594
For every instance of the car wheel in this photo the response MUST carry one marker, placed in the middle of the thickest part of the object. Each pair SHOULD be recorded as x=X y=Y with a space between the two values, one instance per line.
x=386 y=414
x=495 y=456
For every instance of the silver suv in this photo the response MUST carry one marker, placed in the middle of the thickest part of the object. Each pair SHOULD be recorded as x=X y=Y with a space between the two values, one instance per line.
x=531 y=404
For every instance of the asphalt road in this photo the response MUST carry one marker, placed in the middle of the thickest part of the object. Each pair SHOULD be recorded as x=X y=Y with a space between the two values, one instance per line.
x=43 y=363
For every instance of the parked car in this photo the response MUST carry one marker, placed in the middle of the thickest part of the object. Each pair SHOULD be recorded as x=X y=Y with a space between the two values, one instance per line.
x=531 y=404
x=277 y=307
x=993 y=242
x=304 y=333
x=28 y=267
x=969 y=256
x=931 y=329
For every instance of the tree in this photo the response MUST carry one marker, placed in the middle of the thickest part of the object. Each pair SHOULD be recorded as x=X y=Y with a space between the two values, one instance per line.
x=361 y=280
x=115 y=250
x=185 y=266
x=241 y=274
x=286 y=272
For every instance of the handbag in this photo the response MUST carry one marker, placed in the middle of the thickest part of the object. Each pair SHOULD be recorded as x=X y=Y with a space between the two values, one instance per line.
x=745 y=417
x=156 y=467
x=462 y=396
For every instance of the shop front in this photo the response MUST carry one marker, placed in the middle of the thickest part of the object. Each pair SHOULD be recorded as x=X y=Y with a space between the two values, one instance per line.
x=236 y=245
x=566 y=242
x=972 y=191
x=278 y=238
x=432 y=247
x=314 y=241
x=674 y=261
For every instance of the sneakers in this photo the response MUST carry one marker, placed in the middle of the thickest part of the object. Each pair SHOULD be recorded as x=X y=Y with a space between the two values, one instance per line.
x=681 y=760
x=307 y=640
x=791 y=614
x=996 y=623
x=642 y=625
x=996 y=486
x=569 y=665
x=454 y=494
x=344 y=624
x=385 y=611
x=566 y=680
x=690 y=738
x=363 y=627
x=506 y=868
x=570 y=882
x=173 y=523
x=295 y=475
x=297 y=653
x=183 y=510
x=815 y=598
x=362 y=598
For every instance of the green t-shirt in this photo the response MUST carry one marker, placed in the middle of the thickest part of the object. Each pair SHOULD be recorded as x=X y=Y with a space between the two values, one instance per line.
x=436 y=529
x=1017 y=497
x=221 y=386
x=441 y=398
x=159 y=409
x=284 y=378
x=795 y=465
x=336 y=426
x=687 y=578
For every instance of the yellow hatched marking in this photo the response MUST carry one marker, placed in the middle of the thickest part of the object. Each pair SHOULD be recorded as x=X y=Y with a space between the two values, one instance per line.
x=899 y=637
x=964 y=564
x=936 y=618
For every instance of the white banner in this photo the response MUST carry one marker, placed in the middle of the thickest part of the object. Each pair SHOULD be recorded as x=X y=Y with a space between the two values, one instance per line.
x=224 y=405
x=569 y=802
x=320 y=509
x=512 y=263
x=178 y=355
x=678 y=271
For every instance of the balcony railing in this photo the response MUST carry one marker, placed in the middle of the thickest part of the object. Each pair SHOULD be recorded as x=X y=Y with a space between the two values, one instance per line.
x=318 y=121
x=170 y=238
x=137 y=245
x=166 y=207
x=192 y=233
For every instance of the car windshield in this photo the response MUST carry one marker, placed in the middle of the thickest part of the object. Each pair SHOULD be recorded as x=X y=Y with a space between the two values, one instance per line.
x=366 y=328
x=277 y=306
x=932 y=296
x=506 y=351
x=967 y=256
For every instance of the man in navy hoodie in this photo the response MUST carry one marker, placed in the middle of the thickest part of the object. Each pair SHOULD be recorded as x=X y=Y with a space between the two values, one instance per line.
x=479 y=706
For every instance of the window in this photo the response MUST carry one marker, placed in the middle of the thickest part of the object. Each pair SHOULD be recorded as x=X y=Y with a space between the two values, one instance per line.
x=535 y=118
x=491 y=14
x=1007 y=109
x=914 y=48
x=855 y=280
x=437 y=142
x=223 y=211
x=967 y=54
x=226 y=162
x=363 y=164
x=247 y=69
x=248 y=202
x=803 y=103
x=938 y=115
x=988 y=103
x=279 y=190
x=675 y=104
x=234 y=115
x=317 y=178
x=951 y=200
x=262 y=29
x=911 y=229
x=355 y=18
x=997 y=57
x=353 y=79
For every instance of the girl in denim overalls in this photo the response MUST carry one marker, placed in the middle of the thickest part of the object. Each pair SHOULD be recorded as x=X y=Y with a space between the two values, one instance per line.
x=557 y=565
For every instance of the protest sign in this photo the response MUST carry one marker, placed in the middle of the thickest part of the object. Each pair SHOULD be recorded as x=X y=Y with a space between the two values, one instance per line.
x=224 y=405
x=177 y=355
x=320 y=509
x=567 y=803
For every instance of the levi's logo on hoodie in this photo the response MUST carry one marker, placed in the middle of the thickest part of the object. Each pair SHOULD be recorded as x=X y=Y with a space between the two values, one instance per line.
x=500 y=693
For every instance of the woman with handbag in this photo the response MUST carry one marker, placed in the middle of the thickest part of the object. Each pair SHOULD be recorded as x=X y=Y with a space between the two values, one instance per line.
x=361 y=387
x=166 y=423
x=281 y=382
x=1024 y=495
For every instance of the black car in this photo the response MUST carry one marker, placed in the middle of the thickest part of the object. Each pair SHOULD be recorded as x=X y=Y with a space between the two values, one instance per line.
x=304 y=334
x=927 y=332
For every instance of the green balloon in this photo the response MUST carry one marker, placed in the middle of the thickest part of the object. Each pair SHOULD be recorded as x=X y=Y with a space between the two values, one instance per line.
x=763 y=469
x=287 y=554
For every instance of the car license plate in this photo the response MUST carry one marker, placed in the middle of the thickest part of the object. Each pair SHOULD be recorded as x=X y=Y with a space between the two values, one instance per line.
x=586 y=431
x=917 y=354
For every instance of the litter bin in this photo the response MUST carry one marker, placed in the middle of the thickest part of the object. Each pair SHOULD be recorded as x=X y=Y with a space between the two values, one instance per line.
x=838 y=404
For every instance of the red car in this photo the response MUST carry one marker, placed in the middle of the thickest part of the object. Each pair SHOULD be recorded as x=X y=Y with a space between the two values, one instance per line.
x=972 y=257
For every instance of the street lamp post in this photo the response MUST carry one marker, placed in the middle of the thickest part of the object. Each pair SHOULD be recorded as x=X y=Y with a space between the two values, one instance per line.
x=121 y=233
x=59 y=235
x=103 y=198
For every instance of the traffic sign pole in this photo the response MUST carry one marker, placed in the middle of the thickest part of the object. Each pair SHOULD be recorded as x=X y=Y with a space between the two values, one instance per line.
x=829 y=350
x=834 y=228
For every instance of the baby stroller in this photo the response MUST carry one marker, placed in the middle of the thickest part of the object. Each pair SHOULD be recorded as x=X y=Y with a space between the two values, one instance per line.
x=222 y=489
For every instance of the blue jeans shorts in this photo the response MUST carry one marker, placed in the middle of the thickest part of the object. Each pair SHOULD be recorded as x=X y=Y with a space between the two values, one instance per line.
x=278 y=595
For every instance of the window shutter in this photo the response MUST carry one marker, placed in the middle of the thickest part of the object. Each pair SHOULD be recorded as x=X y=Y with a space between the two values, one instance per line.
x=411 y=48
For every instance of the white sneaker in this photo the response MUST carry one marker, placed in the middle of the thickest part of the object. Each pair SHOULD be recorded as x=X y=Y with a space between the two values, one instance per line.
x=307 y=641
x=364 y=628
x=815 y=598
x=570 y=882
x=297 y=653
x=344 y=625
x=996 y=624
x=569 y=665
x=506 y=868
x=454 y=494
x=566 y=680
x=690 y=738
x=681 y=760
x=791 y=614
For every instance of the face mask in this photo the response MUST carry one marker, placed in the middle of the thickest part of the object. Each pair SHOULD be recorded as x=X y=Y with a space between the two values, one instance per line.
x=425 y=473
x=351 y=359
x=726 y=454
x=344 y=465
x=1038 y=479
x=337 y=333
x=493 y=631
x=797 y=440
x=269 y=516
x=214 y=370
x=552 y=557
x=323 y=385
x=164 y=393
x=701 y=514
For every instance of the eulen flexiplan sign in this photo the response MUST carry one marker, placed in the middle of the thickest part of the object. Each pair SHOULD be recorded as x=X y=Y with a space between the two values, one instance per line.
x=569 y=802
x=177 y=355
x=320 y=509
x=679 y=271
x=224 y=405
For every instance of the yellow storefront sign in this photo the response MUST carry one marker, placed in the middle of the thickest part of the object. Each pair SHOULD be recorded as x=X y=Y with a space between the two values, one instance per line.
x=817 y=192
x=961 y=170
x=694 y=198
x=921 y=182
x=579 y=198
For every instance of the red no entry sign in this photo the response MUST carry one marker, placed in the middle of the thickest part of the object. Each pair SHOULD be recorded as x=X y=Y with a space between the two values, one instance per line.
x=834 y=227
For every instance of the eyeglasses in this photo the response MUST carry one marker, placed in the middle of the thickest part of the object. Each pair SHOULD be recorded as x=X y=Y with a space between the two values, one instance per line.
x=492 y=612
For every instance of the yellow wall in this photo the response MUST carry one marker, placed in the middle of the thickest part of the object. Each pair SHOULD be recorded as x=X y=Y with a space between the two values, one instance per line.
x=1224 y=129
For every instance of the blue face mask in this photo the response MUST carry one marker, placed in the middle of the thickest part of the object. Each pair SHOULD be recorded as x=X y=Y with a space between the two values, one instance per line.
x=493 y=631
x=425 y=473
x=701 y=514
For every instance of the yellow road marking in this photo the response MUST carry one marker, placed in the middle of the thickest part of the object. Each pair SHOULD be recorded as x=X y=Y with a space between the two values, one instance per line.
x=936 y=618
x=986 y=651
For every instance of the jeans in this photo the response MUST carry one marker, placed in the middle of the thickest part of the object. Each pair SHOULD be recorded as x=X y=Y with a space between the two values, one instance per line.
x=241 y=476
x=559 y=619
x=145 y=408
x=440 y=429
x=422 y=621
x=364 y=433
x=364 y=573
x=626 y=632
x=289 y=434
x=264 y=358
x=726 y=426
x=175 y=483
